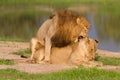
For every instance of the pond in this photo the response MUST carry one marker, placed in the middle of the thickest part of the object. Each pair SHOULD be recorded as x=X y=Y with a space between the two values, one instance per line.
x=104 y=27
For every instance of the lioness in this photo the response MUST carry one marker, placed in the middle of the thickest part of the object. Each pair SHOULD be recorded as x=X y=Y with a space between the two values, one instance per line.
x=80 y=53
x=61 y=29
x=84 y=51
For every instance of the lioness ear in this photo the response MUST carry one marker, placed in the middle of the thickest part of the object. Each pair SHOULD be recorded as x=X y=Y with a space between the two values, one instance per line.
x=96 y=41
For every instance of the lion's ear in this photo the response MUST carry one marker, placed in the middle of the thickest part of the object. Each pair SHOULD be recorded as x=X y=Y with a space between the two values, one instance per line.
x=78 y=21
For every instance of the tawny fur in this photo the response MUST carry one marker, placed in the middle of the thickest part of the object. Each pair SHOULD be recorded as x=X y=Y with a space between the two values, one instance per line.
x=62 y=29
x=84 y=51
x=69 y=27
x=80 y=53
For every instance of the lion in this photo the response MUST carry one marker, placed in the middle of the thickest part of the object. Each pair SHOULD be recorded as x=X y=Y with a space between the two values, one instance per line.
x=84 y=51
x=79 y=53
x=61 y=29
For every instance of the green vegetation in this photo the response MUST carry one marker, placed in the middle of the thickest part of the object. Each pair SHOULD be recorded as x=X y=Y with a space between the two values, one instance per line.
x=53 y=3
x=110 y=61
x=6 y=62
x=57 y=3
x=21 y=26
x=12 y=39
x=25 y=52
x=74 y=74
x=21 y=18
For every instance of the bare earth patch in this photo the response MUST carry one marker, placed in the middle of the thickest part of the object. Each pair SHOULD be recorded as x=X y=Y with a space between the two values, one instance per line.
x=6 y=48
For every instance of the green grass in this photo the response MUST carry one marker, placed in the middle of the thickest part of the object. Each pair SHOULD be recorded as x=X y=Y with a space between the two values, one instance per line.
x=26 y=52
x=28 y=4
x=80 y=73
x=13 y=39
x=102 y=5
x=6 y=62
x=74 y=74
x=55 y=3
x=110 y=61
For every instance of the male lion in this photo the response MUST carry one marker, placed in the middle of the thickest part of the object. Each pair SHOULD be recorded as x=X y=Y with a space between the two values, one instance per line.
x=61 y=29
x=79 y=53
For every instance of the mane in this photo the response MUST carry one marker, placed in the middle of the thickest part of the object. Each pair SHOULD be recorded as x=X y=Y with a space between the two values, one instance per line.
x=67 y=28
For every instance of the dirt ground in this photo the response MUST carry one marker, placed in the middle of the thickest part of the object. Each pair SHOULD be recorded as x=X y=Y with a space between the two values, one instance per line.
x=6 y=49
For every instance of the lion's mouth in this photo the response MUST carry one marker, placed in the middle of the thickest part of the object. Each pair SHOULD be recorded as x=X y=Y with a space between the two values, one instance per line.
x=80 y=37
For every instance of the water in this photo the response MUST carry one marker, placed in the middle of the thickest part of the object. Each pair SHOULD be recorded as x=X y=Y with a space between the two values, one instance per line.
x=104 y=27
x=109 y=39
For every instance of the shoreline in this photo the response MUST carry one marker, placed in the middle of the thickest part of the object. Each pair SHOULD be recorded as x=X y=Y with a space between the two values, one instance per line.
x=107 y=53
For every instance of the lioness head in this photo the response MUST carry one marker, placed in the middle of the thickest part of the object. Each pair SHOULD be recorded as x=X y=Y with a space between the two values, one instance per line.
x=90 y=47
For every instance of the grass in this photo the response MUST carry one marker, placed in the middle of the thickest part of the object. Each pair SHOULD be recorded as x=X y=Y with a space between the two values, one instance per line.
x=110 y=61
x=13 y=39
x=80 y=73
x=26 y=52
x=55 y=3
x=6 y=62
x=30 y=5
x=74 y=74
x=102 y=5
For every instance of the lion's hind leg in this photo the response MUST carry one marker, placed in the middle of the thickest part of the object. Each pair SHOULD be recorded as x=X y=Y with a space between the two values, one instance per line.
x=34 y=46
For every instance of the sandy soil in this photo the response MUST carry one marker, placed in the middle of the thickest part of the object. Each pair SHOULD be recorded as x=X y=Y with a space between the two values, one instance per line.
x=6 y=49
